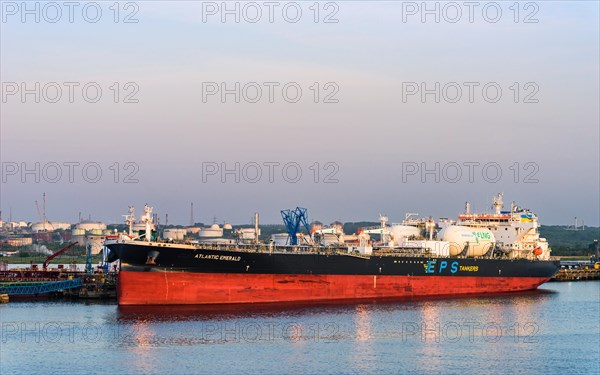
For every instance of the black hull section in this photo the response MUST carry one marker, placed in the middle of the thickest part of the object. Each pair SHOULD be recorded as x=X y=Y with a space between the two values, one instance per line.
x=145 y=257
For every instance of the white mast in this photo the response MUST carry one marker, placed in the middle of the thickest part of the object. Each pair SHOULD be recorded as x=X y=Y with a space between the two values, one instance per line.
x=256 y=227
x=384 y=231
x=130 y=219
x=497 y=204
x=147 y=219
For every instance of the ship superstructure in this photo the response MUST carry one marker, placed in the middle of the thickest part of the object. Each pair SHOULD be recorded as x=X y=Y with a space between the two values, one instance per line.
x=516 y=231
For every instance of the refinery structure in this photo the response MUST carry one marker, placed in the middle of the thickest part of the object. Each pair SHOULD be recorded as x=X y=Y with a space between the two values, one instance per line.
x=500 y=234
x=88 y=233
x=509 y=233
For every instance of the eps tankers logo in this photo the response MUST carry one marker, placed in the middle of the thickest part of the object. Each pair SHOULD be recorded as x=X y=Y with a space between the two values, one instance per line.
x=454 y=267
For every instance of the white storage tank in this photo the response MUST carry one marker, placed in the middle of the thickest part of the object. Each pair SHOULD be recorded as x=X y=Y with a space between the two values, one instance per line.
x=41 y=227
x=49 y=226
x=437 y=248
x=60 y=225
x=280 y=239
x=88 y=226
x=175 y=234
x=404 y=232
x=330 y=239
x=18 y=224
x=212 y=232
x=137 y=227
x=193 y=230
x=246 y=233
x=478 y=240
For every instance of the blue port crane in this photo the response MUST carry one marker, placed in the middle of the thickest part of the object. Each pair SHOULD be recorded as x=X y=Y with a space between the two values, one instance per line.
x=292 y=220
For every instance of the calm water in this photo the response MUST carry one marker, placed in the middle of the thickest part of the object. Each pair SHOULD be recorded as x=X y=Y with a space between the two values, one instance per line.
x=553 y=330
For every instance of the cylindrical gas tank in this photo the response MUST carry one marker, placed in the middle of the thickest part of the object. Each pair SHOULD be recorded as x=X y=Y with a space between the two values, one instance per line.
x=175 y=234
x=403 y=232
x=479 y=240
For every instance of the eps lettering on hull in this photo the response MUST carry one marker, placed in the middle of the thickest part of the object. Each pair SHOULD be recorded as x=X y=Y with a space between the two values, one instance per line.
x=444 y=265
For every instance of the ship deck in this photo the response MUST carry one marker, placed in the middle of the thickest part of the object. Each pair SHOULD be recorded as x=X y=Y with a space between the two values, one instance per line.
x=378 y=251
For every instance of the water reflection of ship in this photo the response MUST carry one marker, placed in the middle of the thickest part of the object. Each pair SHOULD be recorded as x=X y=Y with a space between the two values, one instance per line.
x=364 y=352
x=132 y=313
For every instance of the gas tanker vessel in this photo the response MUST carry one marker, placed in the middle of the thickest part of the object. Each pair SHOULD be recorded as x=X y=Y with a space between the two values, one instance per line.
x=464 y=260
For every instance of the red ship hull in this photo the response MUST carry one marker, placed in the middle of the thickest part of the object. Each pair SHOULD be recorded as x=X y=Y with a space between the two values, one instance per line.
x=184 y=288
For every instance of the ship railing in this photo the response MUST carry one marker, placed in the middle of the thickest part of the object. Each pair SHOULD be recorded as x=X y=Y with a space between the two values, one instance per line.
x=323 y=250
x=331 y=250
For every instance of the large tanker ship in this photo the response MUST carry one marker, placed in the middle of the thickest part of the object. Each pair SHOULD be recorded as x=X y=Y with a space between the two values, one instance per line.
x=463 y=261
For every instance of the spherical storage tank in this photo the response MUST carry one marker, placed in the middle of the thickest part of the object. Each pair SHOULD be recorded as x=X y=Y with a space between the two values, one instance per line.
x=479 y=240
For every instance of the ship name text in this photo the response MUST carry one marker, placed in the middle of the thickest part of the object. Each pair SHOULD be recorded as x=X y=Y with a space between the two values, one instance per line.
x=218 y=257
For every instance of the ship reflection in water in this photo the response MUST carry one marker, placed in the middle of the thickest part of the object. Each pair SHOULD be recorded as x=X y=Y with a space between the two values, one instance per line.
x=165 y=313
x=416 y=335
